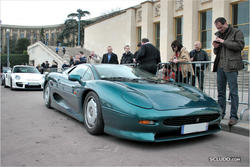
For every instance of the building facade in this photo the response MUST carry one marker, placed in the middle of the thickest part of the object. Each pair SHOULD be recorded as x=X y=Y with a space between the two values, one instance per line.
x=32 y=33
x=163 y=21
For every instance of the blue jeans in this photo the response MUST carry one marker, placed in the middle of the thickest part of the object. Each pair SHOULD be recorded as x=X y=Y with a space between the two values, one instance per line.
x=222 y=79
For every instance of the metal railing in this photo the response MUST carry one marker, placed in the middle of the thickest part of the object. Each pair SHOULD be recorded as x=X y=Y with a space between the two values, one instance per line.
x=50 y=69
x=199 y=74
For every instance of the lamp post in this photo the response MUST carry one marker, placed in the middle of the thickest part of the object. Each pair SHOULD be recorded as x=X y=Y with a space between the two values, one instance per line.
x=8 y=46
x=79 y=19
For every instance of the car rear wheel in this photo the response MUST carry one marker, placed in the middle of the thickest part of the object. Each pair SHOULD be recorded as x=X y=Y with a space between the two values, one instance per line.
x=47 y=98
x=5 y=84
x=92 y=114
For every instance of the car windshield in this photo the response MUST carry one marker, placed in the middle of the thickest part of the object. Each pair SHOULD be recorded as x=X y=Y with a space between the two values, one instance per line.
x=25 y=70
x=5 y=69
x=118 y=72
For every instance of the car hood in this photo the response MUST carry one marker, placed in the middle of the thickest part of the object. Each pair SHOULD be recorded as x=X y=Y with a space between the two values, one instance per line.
x=29 y=76
x=171 y=95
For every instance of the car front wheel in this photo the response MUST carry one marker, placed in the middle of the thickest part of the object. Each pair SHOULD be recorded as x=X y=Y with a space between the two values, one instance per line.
x=47 y=96
x=11 y=87
x=92 y=114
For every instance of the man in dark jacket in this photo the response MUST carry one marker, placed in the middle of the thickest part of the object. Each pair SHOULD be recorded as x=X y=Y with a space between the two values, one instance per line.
x=227 y=47
x=127 y=57
x=198 y=55
x=110 y=57
x=148 y=56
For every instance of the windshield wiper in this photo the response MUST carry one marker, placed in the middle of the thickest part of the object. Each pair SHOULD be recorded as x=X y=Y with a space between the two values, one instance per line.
x=119 y=79
x=124 y=79
x=153 y=80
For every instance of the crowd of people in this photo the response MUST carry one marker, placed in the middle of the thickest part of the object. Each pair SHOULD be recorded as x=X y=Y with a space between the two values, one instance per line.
x=45 y=66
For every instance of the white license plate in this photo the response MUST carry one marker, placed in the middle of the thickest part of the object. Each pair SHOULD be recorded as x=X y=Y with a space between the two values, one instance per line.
x=192 y=128
x=32 y=84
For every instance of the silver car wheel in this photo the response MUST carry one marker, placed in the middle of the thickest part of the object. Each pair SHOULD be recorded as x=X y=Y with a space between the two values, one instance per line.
x=91 y=113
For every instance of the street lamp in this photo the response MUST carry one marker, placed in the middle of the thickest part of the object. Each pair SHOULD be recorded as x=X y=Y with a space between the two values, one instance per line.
x=79 y=22
x=8 y=46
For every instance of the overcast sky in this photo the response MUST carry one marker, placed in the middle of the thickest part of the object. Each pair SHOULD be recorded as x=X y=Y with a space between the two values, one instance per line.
x=49 y=12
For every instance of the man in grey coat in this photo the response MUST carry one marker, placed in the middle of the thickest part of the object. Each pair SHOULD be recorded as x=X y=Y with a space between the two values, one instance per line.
x=227 y=47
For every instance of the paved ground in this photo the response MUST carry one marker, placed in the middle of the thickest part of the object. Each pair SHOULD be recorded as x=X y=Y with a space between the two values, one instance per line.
x=32 y=135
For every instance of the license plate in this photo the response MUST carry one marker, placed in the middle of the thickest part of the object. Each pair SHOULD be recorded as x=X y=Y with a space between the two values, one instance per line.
x=192 y=128
x=32 y=83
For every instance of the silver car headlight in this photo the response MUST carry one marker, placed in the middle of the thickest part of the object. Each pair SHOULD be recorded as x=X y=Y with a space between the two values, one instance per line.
x=17 y=77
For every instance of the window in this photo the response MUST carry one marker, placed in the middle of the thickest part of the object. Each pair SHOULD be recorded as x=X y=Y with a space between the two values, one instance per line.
x=178 y=28
x=52 y=36
x=34 y=35
x=22 y=35
x=28 y=35
x=14 y=36
x=206 y=29
x=138 y=34
x=157 y=34
x=240 y=18
x=88 y=75
x=79 y=70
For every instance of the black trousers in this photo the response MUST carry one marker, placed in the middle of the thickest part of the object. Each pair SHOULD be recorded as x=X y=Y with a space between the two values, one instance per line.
x=199 y=73
x=179 y=77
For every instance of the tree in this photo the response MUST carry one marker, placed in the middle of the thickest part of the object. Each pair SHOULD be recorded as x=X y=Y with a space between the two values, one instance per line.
x=22 y=45
x=80 y=13
x=70 y=29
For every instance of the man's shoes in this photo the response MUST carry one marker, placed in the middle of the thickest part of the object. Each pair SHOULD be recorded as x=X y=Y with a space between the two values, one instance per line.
x=232 y=122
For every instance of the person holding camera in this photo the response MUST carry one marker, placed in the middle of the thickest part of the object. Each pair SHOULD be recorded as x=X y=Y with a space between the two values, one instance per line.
x=228 y=45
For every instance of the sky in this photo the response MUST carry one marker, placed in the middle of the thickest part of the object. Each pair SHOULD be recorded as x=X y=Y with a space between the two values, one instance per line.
x=51 y=12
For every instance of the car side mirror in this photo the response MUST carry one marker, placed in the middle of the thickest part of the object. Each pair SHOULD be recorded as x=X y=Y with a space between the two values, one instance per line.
x=8 y=71
x=74 y=77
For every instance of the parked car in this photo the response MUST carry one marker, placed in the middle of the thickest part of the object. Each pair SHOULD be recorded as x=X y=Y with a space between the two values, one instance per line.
x=129 y=103
x=3 y=74
x=24 y=77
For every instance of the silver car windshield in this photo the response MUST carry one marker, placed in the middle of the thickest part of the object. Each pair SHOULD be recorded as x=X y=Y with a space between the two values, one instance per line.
x=25 y=70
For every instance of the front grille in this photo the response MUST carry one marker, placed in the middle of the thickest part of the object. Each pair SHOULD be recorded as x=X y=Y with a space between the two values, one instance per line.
x=184 y=120
x=33 y=86
x=19 y=84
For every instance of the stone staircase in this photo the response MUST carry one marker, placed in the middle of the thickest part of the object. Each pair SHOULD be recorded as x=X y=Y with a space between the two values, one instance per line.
x=70 y=51
x=210 y=80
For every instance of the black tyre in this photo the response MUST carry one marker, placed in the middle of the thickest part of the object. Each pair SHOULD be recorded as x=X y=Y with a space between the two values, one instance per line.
x=11 y=85
x=5 y=84
x=92 y=114
x=46 y=96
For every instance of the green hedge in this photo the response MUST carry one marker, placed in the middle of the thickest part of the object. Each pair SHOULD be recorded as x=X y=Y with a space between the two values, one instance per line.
x=15 y=59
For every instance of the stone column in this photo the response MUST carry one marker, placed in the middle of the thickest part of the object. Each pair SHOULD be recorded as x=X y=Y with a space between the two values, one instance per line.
x=3 y=39
x=147 y=20
x=166 y=28
x=220 y=9
x=131 y=27
x=190 y=23
x=18 y=34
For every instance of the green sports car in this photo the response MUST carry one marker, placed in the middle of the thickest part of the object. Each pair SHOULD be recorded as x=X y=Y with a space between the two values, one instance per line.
x=127 y=102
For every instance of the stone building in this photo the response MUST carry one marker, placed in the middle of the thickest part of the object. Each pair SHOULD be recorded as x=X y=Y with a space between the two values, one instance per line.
x=32 y=33
x=163 y=21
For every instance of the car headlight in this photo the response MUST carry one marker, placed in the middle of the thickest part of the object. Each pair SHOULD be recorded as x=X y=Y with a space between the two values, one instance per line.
x=17 y=77
x=137 y=99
